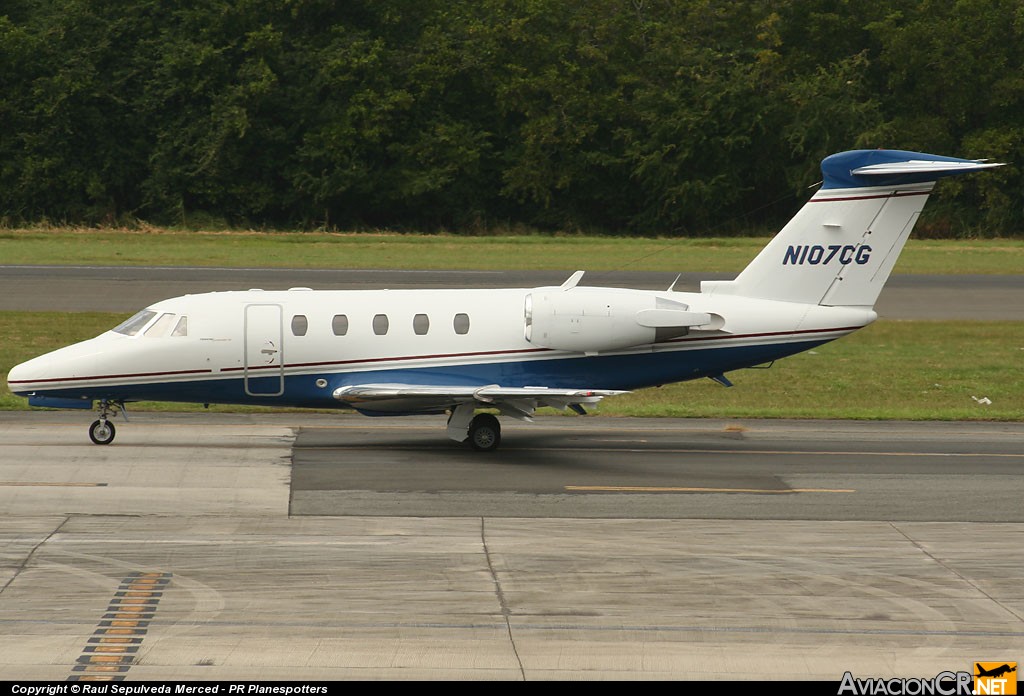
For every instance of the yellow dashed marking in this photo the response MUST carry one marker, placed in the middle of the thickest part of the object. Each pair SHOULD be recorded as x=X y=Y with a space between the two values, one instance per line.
x=95 y=678
x=102 y=668
x=120 y=631
x=100 y=659
x=111 y=649
x=113 y=644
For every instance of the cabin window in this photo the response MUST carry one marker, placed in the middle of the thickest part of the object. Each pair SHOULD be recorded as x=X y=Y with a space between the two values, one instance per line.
x=461 y=323
x=181 y=328
x=160 y=327
x=134 y=324
x=340 y=324
x=380 y=324
x=421 y=324
x=299 y=325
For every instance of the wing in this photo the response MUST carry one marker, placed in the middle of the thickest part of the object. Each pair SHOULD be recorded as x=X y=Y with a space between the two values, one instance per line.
x=518 y=402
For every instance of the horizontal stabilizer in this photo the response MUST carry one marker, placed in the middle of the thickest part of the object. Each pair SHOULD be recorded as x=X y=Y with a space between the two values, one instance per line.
x=869 y=168
x=925 y=167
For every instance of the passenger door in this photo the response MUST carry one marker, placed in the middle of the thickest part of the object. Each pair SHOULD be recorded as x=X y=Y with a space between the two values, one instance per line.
x=264 y=350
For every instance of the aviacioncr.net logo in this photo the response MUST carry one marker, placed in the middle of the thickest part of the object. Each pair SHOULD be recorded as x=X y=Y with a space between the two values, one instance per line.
x=942 y=684
x=997 y=678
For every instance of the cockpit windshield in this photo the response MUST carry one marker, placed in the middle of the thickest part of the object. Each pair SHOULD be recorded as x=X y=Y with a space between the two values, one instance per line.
x=132 y=326
x=161 y=326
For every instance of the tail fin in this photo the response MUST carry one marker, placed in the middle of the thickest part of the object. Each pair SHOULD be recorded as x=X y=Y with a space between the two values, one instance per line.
x=842 y=245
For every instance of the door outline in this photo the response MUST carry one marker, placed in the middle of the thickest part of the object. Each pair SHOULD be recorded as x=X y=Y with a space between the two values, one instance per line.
x=263 y=349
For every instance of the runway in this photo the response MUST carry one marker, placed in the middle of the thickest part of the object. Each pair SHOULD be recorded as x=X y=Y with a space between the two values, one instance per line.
x=308 y=547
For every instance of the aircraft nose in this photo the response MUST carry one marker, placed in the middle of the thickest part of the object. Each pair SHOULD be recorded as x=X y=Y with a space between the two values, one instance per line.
x=30 y=372
x=59 y=369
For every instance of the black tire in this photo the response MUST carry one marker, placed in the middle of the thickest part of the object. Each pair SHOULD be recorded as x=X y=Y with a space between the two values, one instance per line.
x=102 y=432
x=484 y=433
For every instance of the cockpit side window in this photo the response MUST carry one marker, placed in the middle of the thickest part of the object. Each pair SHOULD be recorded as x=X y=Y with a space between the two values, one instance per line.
x=133 y=325
x=181 y=328
x=161 y=326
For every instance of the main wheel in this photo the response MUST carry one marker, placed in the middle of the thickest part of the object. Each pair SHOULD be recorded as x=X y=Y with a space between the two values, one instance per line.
x=484 y=433
x=102 y=432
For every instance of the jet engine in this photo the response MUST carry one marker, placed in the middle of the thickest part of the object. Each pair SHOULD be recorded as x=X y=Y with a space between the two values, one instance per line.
x=596 y=320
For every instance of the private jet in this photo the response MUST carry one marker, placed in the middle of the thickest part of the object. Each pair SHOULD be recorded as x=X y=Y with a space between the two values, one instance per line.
x=471 y=353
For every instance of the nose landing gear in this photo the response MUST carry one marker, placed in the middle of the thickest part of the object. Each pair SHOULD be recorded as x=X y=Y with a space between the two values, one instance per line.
x=102 y=431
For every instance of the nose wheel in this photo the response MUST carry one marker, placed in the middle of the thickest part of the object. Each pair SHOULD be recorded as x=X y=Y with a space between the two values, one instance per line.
x=102 y=432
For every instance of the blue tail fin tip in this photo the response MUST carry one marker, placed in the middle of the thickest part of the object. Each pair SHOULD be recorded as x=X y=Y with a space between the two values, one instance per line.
x=864 y=168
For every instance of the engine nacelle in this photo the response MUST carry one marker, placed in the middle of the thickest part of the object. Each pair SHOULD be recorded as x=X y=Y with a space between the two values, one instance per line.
x=595 y=320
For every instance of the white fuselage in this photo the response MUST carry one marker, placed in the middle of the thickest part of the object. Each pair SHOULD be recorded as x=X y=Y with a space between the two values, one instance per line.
x=297 y=347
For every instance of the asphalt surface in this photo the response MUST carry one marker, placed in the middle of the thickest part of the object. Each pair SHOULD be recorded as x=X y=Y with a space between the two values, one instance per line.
x=308 y=548
x=667 y=469
x=130 y=288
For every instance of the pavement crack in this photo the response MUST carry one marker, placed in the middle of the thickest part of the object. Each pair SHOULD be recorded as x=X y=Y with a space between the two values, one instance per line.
x=28 y=557
x=1009 y=610
x=505 y=611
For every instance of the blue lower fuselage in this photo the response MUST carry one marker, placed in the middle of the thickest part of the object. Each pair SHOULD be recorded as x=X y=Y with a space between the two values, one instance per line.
x=300 y=387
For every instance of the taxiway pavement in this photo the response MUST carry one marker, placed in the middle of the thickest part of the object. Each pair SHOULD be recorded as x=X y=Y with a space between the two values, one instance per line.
x=307 y=547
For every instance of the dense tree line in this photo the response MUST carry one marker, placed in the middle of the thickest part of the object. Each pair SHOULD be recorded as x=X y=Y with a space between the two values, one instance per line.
x=624 y=116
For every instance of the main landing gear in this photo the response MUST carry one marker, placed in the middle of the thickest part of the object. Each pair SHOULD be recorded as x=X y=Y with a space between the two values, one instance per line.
x=102 y=431
x=482 y=432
